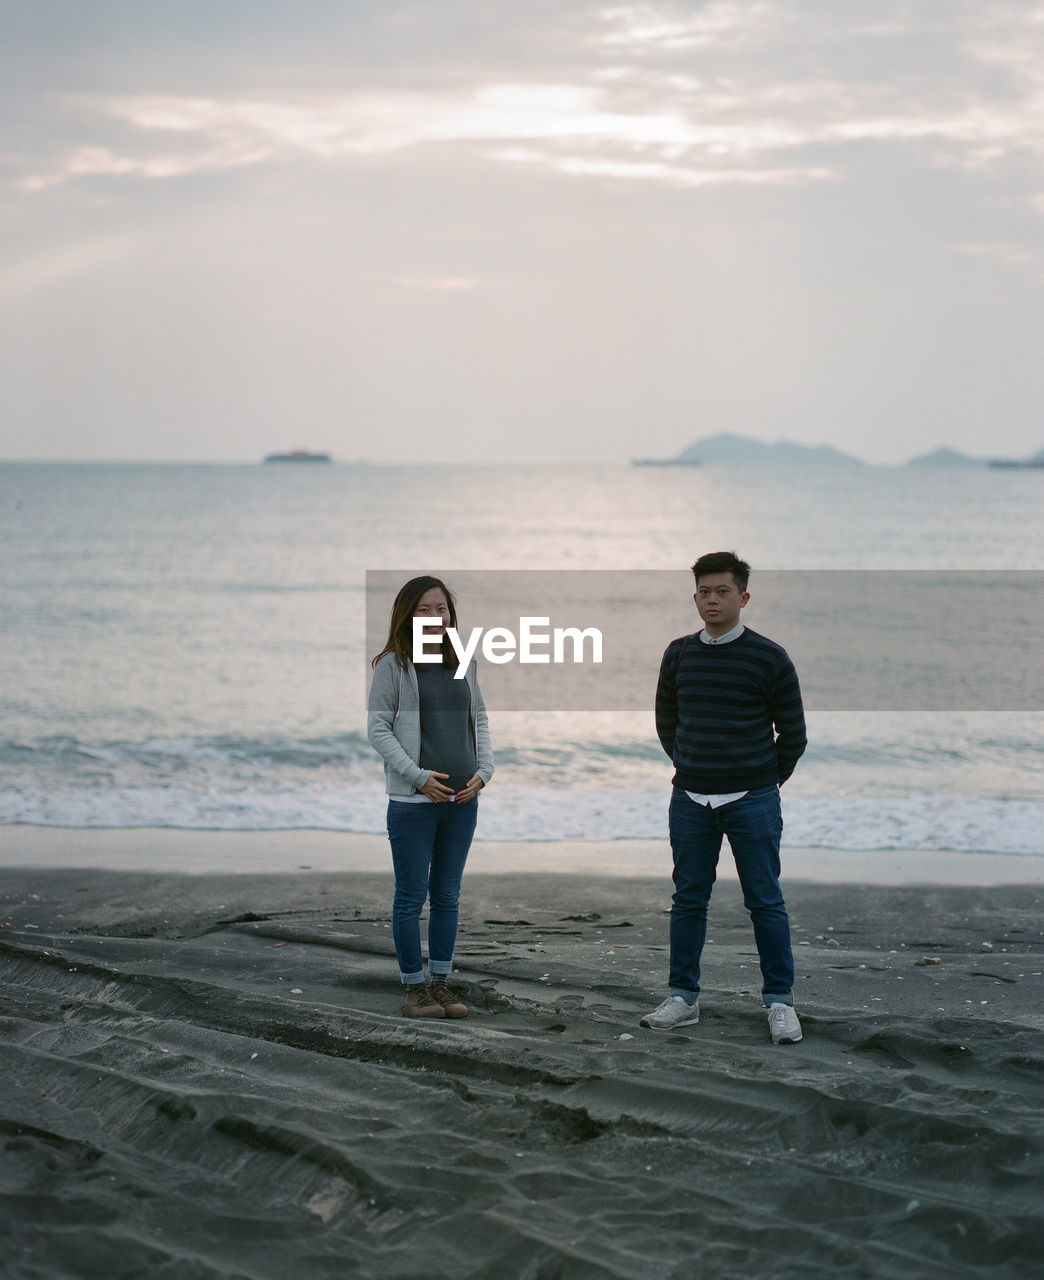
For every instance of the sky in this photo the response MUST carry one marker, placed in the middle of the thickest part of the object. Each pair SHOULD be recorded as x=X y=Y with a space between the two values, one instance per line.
x=471 y=231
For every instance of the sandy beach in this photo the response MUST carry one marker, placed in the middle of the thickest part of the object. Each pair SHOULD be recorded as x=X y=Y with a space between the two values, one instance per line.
x=206 y=1072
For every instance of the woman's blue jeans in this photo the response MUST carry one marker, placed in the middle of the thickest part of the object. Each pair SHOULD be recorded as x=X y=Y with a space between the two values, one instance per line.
x=429 y=844
x=754 y=825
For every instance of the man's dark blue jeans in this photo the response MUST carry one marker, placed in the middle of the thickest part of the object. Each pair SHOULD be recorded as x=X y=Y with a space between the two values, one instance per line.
x=753 y=825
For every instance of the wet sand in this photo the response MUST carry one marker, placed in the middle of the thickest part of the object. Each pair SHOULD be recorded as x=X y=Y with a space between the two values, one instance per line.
x=208 y=1075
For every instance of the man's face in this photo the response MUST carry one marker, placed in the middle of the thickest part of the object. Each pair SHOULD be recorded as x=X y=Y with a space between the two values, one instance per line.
x=719 y=601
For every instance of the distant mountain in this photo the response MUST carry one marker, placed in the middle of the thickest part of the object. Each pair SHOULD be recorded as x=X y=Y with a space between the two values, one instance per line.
x=727 y=448
x=732 y=450
x=946 y=457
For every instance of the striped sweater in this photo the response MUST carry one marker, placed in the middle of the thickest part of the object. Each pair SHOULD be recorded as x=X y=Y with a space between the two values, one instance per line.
x=717 y=707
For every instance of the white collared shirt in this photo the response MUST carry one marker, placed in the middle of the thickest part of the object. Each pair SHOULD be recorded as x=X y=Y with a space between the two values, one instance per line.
x=716 y=801
x=727 y=638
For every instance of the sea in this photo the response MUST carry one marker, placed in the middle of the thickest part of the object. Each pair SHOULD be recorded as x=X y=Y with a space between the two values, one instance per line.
x=186 y=646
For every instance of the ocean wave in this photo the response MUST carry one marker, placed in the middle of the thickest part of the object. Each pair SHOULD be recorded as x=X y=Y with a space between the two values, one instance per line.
x=962 y=824
x=550 y=786
x=64 y=752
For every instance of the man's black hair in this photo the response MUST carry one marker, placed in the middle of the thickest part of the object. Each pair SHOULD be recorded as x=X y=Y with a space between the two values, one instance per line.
x=722 y=562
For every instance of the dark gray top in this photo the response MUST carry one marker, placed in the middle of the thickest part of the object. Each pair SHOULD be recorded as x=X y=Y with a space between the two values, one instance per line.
x=447 y=740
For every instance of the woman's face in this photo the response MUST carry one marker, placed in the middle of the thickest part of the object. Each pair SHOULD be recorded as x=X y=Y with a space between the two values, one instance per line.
x=433 y=604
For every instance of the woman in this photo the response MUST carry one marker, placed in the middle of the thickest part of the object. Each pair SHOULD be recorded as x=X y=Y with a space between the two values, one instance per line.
x=432 y=732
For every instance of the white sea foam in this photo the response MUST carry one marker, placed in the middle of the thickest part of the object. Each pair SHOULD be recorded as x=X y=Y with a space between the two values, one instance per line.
x=961 y=824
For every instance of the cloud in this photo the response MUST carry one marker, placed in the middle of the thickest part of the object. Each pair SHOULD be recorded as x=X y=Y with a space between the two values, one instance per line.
x=658 y=171
x=1007 y=255
x=217 y=134
x=103 y=162
x=668 y=28
x=590 y=133
x=731 y=93
x=32 y=273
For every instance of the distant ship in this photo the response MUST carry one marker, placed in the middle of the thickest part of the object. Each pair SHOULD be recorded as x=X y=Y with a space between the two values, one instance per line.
x=299 y=455
x=1035 y=462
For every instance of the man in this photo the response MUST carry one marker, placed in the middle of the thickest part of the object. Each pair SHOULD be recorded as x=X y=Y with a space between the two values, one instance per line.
x=729 y=715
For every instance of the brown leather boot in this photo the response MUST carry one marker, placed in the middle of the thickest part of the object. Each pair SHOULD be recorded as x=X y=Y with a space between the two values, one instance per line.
x=453 y=1006
x=418 y=1003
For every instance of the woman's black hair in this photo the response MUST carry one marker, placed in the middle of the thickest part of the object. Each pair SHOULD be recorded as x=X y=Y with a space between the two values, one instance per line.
x=400 y=628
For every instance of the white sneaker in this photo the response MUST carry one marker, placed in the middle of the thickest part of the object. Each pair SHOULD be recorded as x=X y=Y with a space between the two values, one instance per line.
x=674 y=1012
x=783 y=1024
